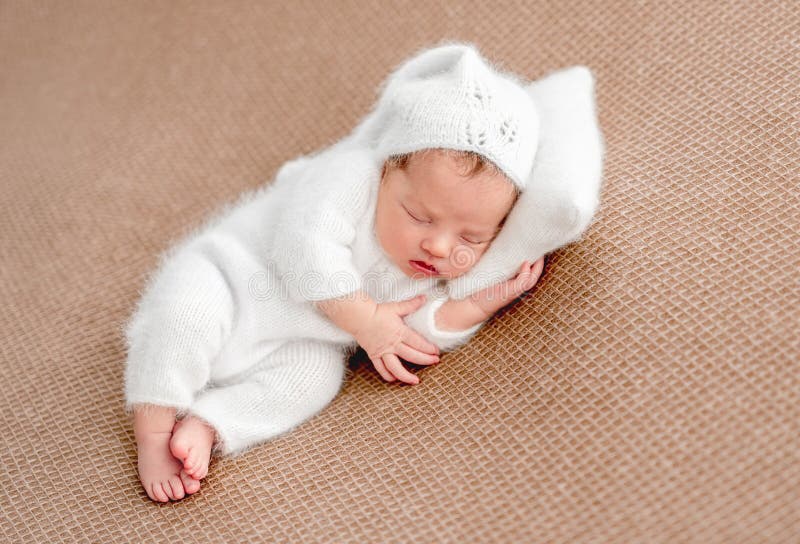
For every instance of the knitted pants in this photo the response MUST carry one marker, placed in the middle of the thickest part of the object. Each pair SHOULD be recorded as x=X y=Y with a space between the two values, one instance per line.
x=289 y=387
x=269 y=398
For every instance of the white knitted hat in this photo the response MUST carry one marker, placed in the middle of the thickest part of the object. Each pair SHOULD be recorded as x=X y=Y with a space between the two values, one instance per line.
x=450 y=97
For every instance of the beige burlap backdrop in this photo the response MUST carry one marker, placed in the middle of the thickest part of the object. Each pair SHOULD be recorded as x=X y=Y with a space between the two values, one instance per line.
x=647 y=390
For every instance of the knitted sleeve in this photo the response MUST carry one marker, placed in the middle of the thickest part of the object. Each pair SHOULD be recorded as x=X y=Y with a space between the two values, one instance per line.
x=325 y=198
x=424 y=322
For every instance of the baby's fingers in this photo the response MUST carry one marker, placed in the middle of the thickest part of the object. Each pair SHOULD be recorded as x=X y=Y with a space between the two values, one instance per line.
x=528 y=275
x=535 y=273
x=415 y=356
x=394 y=365
x=517 y=285
x=381 y=368
x=417 y=341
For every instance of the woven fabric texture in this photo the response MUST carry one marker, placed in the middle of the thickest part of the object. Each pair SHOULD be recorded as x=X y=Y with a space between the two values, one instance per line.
x=646 y=390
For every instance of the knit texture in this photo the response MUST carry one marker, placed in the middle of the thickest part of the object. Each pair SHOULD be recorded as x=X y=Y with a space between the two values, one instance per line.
x=297 y=381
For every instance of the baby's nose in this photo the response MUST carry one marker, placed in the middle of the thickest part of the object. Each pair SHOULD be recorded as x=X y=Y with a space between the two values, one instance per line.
x=438 y=247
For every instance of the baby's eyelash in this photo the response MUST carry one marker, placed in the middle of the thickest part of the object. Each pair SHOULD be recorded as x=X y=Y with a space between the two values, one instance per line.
x=472 y=241
x=412 y=216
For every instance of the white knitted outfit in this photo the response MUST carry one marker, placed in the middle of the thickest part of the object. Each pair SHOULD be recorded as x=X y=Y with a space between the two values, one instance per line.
x=226 y=328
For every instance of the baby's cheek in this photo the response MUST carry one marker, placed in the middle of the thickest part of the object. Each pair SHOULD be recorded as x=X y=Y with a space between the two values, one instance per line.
x=465 y=257
x=405 y=244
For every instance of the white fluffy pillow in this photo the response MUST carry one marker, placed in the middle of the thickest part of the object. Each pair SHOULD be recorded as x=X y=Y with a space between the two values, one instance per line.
x=562 y=194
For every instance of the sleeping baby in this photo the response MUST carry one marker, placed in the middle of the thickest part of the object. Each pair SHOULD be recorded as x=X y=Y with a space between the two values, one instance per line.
x=396 y=239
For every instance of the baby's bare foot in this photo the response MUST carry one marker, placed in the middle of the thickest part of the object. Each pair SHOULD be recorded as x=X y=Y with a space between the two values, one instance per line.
x=191 y=443
x=159 y=471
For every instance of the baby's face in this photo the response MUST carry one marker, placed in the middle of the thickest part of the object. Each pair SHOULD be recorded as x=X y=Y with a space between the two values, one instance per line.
x=432 y=221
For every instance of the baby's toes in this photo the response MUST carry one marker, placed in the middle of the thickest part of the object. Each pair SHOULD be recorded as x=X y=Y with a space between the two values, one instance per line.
x=177 y=488
x=151 y=493
x=158 y=493
x=188 y=461
x=192 y=464
x=199 y=473
x=189 y=484
x=202 y=471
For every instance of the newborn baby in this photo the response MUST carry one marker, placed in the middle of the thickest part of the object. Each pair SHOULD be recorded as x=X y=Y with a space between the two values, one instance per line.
x=430 y=207
x=244 y=331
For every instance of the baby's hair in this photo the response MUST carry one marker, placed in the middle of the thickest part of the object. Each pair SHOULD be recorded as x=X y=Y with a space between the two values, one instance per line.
x=470 y=162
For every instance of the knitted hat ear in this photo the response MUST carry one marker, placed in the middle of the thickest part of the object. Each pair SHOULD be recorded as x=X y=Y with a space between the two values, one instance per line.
x=424 y=64
x=562 y=193
x=428 y=63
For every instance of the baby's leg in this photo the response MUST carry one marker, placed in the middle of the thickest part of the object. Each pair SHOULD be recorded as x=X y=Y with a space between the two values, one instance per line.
x=293 y=384
x=178 y=329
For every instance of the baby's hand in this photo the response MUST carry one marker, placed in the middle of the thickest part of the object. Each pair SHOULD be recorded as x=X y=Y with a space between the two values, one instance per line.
x=385 y=337
x=491 y=299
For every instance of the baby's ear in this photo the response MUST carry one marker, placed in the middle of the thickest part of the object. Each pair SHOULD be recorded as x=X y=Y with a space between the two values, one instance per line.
x=562 y=194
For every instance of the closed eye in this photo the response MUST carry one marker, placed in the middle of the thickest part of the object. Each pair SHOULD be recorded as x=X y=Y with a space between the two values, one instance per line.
x=467 y=240
x=417 y=219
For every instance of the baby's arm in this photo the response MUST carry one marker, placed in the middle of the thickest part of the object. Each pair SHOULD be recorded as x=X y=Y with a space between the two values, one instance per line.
x=429 y=327
x=381 y=331
x=480 y=306
x=450 y=323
